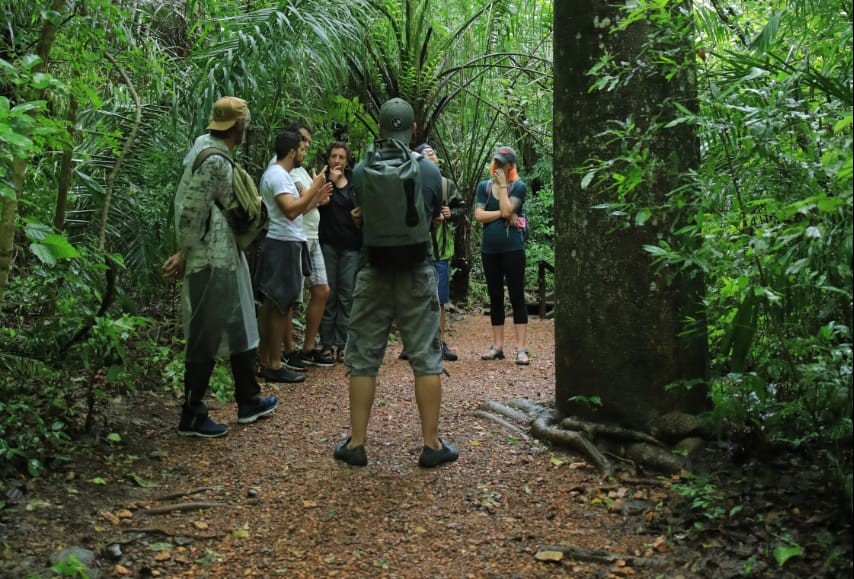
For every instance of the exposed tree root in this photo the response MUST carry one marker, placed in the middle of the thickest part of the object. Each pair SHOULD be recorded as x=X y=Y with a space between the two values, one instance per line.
x=598 y=556
x=542 y=429
x=497 y=419
x=597 y=441
x=596 y=430
x=179 y=494
x=180 y=507
x=493 y=406
x=156 y=530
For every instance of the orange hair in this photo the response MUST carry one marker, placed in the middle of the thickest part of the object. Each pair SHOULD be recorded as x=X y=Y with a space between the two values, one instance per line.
x=512 y=175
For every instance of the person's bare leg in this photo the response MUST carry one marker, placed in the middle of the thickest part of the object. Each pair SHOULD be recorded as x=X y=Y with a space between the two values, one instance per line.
x=278 y=325
x=264 y=331
x=313 y=315
x=498 y=337
x=521 y=336
x=428 y=396
x=273 y=324
x=362 y=391
x=288 y=331
x=442 y=322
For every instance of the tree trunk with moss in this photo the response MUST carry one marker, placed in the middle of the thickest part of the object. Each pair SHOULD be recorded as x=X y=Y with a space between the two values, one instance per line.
x=621 y=328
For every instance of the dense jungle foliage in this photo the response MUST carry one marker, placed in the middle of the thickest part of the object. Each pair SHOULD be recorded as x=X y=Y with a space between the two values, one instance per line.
x=99 y=100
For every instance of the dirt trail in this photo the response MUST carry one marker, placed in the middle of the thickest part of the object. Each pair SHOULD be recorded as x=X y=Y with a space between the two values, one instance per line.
x=278 y=504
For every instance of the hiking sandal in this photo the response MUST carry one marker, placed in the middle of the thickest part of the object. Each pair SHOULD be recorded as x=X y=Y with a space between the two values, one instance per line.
x=522 y=357
x=328 y=352
x=493 y=354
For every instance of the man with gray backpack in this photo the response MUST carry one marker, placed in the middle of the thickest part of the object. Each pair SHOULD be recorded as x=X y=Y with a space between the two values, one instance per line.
x=399 y=196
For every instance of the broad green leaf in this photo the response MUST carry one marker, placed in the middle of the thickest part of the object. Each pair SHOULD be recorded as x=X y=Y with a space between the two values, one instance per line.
x=786 y=552
x=43 y=253
x=60 y=247
x=15 y=139
x=141 y=482
x=114 y=437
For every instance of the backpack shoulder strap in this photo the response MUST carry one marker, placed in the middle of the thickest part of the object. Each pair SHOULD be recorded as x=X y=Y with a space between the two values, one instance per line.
x=209 y=152
x=445 y=190
x=202 y=157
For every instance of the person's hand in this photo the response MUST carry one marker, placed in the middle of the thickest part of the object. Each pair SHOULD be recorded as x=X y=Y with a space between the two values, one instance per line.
x=446 y=212
x=325 y=193
x=174 y=267
x=335 y=173
x=356 y=214
x=318 y=179
x=500 y=178
x=513 y=220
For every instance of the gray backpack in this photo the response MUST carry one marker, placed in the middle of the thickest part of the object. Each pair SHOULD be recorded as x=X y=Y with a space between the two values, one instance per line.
x=394 y=216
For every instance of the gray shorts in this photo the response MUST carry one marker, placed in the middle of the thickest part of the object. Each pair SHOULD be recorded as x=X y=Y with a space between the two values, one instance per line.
x=381 y=298
x=279 y=272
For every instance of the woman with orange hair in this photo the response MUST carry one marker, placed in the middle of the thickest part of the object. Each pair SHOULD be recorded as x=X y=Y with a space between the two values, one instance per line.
x=499 y=207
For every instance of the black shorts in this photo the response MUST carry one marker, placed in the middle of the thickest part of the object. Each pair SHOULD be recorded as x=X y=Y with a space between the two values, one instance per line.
x=279 y=276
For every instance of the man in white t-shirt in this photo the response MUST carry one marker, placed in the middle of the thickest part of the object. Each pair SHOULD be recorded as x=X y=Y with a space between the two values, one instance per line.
x=279 y=277
x=316 y=282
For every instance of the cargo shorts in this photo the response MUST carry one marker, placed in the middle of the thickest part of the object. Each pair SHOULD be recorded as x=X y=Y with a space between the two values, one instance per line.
x=381 y=298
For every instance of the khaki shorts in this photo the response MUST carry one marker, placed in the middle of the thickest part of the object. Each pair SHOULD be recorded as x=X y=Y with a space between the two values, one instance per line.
x=410 y=300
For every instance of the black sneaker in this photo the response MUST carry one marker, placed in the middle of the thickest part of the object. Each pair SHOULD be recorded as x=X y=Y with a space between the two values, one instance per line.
x=281 y=375
x=202 y=427
x=431 y=457
x=355 y=456
x=252 y=412
x=448 y=354
x=316 y=358
x=293 y=361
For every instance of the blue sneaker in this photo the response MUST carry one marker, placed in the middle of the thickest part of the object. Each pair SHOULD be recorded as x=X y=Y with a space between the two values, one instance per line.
x=203 y=427
x=252 y=412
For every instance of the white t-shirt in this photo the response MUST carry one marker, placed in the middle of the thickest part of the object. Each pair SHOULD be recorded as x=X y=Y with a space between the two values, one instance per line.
x=274 y=182
x=310 y=219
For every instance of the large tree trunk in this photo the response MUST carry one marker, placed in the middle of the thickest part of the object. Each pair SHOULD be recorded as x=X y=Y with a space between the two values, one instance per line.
x=8 y=216
x=620 y=324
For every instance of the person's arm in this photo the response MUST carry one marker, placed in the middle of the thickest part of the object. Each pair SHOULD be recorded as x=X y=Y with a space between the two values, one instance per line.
x=205 y=184
x=481 y=214
x=501 y=188
x=292 y=206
